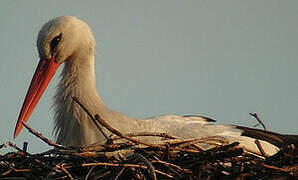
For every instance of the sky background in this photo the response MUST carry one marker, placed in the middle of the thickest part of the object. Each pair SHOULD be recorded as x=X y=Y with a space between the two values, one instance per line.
x=222 y=59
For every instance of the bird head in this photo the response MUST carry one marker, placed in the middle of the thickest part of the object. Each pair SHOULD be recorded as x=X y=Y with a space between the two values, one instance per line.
x=62 y=37
x=58 y=40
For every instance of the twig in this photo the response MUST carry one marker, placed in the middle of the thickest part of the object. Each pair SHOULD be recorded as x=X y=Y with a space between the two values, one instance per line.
x=13 y=169
x=282 y=152
x=7 y=172
x=4 y=145
x=198 y=147
x=145 y=161
x=46 y=140
x=255 y=115
x=275 y=168
x=170 y=164
x=88 y=174
x=119 y=173
x=123 y=165
x=18 y=149
x=111 y=129
x=91 y=117
x=261 y=149
x=164 y=135
x=65 y=170
x=118 y=133
x=28 y=154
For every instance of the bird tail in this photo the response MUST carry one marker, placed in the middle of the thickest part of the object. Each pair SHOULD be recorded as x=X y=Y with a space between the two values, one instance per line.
x=279 y=140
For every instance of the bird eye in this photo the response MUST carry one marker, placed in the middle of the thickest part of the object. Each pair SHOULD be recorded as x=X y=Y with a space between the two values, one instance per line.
x=55 y=42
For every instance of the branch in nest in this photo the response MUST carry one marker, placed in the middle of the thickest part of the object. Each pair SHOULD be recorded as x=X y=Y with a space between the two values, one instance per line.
x=30 y=155
x=40 y=136
x=118 y=133
x=260 y=147
x=113 y=130
x=255 y=115
x=141 y=158
x=92 y=118
x=164 y=135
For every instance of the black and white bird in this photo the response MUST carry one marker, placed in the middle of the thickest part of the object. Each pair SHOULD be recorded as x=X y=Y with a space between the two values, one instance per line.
x=68 y=40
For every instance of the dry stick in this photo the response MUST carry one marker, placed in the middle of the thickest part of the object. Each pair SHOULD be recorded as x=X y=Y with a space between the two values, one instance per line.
x=28 y=154
x=122 y=165
x=170 y=164
x=40 y=136
x=4 y=145
x=170 y=169
x=89 y=114
x=119 y=173
x=113 y=130
x=209 y=140
x=145 y=161
x=284 y=150
x=261 y=149
x=17 y=148
x=180 y=142
x=164 y=135
x=198 y=147
x=103 y=123
x=255 y=115
x=26 y=171
x=183 y=150
x=275 y=168
x=137 y=174
x=66 y=172
x=118 y=133
x=222 y=148
x=7 y=172
x=257 y=142
x=13 y=169
x=88 y=174
x=101 y=176
x=191 y=142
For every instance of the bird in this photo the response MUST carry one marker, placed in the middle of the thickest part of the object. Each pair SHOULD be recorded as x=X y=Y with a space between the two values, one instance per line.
x=68 y=40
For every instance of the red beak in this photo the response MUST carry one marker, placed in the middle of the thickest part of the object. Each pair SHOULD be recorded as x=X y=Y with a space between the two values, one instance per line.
x=43 y=74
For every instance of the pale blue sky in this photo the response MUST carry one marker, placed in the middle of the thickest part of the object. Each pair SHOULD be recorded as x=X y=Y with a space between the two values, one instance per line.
x=221 y=59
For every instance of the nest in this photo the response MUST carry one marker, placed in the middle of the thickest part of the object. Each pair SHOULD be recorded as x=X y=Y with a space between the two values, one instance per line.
x=136 y=156
x=174 y=159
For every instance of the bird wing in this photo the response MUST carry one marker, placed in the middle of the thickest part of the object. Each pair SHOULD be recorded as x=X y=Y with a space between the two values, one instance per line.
x=188 y=126
x=195 y=126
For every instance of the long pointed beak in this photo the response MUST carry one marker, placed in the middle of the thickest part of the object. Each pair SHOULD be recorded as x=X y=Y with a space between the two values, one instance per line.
x=43 y=74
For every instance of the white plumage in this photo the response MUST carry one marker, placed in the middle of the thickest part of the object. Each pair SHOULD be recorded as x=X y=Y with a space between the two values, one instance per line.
x=69 y=40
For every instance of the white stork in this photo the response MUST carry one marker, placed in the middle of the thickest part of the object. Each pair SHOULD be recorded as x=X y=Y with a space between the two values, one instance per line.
x=68 y=40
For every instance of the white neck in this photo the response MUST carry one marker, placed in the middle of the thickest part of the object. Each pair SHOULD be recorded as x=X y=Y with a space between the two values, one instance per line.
x=72 y=124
